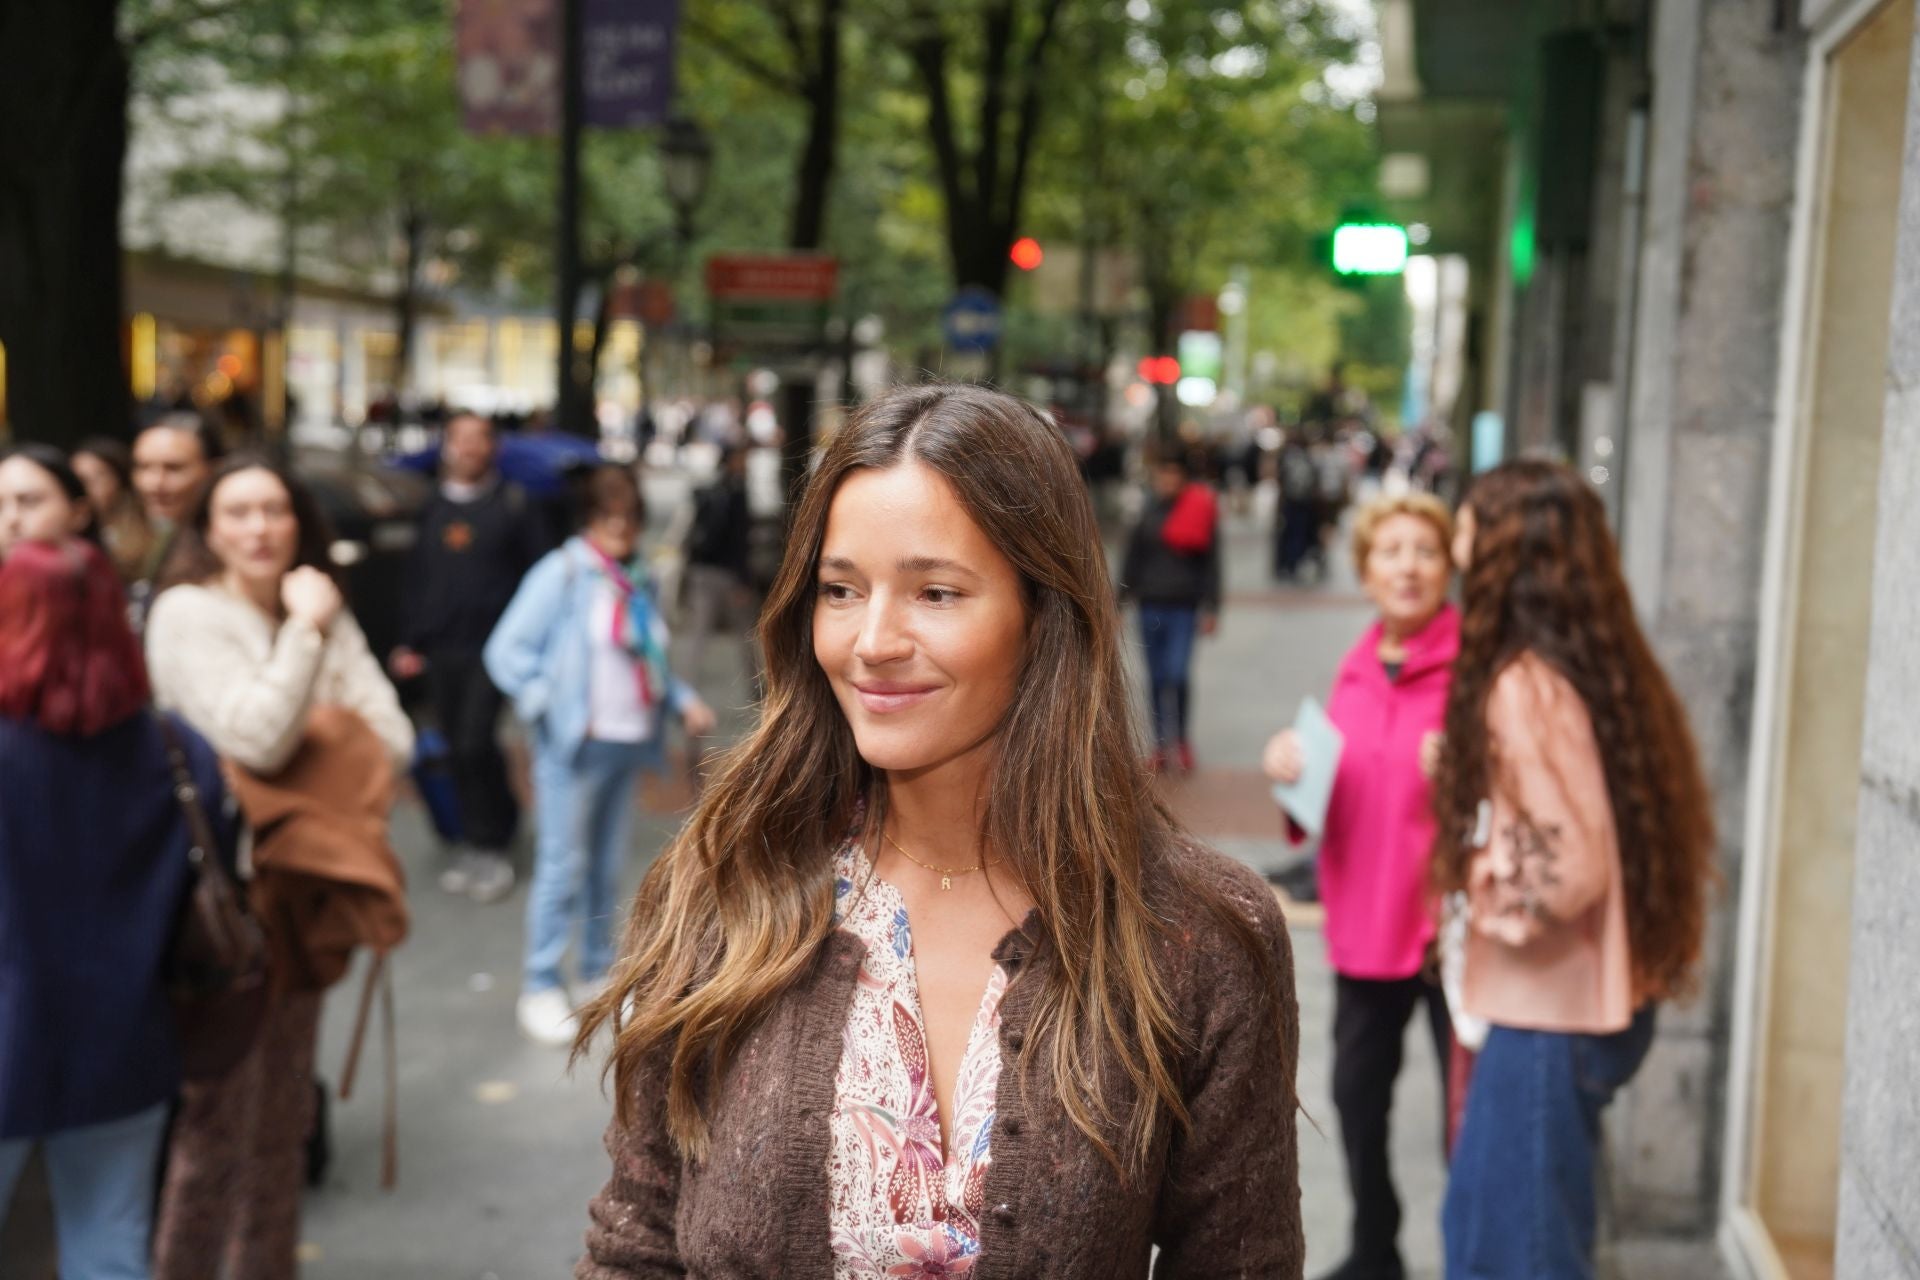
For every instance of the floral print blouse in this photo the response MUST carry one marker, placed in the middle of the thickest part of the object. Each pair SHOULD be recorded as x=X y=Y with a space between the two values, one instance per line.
x=900 y=1205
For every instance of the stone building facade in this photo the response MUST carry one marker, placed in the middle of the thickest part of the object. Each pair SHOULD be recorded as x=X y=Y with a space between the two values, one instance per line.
x=1694 y=230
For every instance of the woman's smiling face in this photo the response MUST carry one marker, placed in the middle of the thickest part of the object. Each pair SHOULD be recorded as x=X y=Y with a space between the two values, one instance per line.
x=920 y=623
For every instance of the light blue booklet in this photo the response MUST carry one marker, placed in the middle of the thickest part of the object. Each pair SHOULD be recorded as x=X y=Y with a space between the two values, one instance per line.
x=1305 y=801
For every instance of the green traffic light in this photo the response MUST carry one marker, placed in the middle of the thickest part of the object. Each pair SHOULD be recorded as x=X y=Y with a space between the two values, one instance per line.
x=1369 y=249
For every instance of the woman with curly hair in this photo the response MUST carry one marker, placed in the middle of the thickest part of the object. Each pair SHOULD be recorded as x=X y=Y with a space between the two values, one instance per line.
x=931 y=984
x=1573 y=813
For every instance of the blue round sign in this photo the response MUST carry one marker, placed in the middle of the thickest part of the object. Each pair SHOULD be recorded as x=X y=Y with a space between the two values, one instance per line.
x=972 y=321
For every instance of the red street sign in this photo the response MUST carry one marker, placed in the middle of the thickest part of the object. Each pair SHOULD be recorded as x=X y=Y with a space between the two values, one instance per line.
x=773 y=277
x=1202 y=312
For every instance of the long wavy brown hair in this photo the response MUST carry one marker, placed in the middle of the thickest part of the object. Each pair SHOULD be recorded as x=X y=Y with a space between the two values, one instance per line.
x=732 y=913
x=1545 y=579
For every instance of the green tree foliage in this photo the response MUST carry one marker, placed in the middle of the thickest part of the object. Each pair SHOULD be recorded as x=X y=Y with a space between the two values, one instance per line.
x=1210 y=139
x=913 y=140
x=341 y=117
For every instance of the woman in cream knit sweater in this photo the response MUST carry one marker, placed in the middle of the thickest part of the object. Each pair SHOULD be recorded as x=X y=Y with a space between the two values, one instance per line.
x=249 y=634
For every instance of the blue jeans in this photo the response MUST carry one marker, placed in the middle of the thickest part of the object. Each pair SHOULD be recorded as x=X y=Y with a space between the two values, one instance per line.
x=1167 y=631
x=1520 y=1195
x=585 y=812
x=102 y=1180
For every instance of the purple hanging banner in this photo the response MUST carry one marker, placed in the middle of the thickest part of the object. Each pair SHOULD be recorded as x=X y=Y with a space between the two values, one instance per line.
x=627 y=51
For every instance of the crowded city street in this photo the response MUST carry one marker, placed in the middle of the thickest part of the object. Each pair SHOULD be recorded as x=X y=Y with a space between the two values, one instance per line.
x=1004 y=639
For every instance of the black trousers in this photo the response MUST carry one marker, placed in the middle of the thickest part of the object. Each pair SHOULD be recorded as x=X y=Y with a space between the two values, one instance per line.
x=467 y=707
x=1369 y=1037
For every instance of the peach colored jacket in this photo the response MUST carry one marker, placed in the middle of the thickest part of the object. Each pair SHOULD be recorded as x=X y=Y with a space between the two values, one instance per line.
x=1548 y=950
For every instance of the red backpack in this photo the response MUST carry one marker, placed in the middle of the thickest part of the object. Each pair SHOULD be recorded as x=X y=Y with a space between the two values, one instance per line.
x=1189 y=526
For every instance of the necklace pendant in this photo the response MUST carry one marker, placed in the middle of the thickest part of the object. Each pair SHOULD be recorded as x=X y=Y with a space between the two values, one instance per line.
x=946 y=882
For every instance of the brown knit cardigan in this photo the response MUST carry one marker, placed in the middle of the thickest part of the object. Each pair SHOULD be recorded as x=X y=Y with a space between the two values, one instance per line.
x=1225 y=1200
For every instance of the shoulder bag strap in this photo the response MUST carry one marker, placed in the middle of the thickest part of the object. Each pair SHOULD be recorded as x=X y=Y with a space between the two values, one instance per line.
x=203 y=849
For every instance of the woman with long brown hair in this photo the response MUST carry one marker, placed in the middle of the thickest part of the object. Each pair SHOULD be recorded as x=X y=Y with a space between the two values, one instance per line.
x=931 y=983
x=105 y=467
x=1573 y=814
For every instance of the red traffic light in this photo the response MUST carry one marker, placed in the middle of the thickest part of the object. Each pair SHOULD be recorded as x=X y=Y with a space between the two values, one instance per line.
x=1027 y=253
x=1162 y=371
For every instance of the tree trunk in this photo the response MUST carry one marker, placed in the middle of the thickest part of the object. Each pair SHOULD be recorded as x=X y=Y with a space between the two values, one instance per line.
x=63 y=138
x=1163 y=306
x=819 y=155
x=985 y=191
x=590 y=371
x=818 y=159
x=406 y=304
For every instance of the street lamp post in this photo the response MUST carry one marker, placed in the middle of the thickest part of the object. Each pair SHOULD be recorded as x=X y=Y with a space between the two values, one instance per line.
x=567 y=407
x=686 y=163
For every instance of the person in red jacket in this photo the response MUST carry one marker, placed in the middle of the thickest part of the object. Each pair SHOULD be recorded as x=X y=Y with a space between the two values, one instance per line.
x=1172 y=570
x=1389 y=701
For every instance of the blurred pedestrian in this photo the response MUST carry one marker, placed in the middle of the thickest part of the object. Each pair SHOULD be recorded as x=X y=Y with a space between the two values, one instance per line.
x=1573 y=813
x=41 y=499
x=1389 y=702
x=1172 y=571
x=1299 y=533
x=172 y=461
x=478 y=537
x=1333 y=466
x=717 y=588
x=930 y=970
x=105 y=467
x=93 y=873
x=251 y=641
x=581 y=650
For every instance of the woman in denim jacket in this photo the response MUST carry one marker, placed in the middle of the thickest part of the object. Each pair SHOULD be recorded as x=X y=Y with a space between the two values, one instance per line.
x=581 y=650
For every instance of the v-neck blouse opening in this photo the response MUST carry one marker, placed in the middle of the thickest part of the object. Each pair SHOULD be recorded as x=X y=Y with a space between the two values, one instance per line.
x=903 y=1202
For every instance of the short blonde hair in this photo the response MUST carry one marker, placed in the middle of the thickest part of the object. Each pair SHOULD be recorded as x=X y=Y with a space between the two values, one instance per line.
x=1376 y=513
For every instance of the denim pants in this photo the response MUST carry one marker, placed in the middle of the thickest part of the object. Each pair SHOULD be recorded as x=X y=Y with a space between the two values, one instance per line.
x=1520 y=1196
x=585 y=812
x=102 y=1180
x=1167 y=631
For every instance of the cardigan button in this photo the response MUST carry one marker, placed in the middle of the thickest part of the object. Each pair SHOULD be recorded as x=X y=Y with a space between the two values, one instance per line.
x=1003 y=1212
x=1010 y=1127
x=1014 y=1040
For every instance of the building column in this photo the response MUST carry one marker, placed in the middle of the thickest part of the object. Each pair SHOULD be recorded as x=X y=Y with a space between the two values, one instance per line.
x=1720 y=195
x=1879 y=1176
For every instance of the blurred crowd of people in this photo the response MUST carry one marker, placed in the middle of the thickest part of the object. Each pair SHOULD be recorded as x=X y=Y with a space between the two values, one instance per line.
x=175 y=591
x=187 y=700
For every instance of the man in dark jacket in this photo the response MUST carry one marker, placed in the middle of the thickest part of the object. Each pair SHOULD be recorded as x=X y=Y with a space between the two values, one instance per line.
x=718 y=544
x=1174 y=575
x=478 y=537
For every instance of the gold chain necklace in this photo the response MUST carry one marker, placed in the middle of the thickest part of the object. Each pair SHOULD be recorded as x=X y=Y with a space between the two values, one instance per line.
x=946 y=874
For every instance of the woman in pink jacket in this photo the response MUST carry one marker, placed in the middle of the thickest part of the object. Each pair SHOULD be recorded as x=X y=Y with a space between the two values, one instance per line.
x=1389 y=701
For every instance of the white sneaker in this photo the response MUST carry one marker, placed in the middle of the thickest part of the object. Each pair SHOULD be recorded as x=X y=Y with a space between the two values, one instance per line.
x=457 y=877
x=546 y=1017
x=490 y=877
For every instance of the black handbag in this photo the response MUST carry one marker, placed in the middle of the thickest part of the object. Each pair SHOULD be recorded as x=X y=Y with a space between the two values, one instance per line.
x=216 y=966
